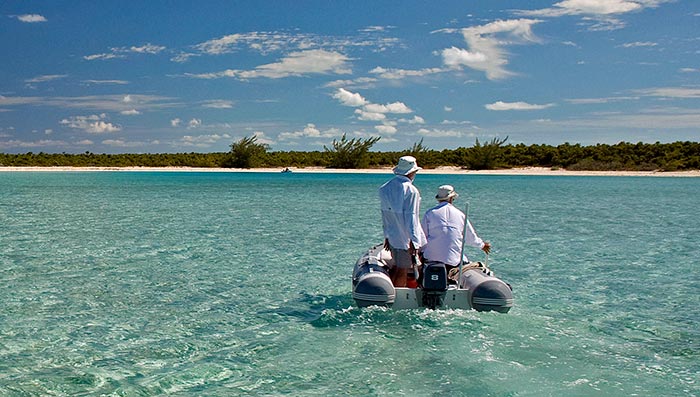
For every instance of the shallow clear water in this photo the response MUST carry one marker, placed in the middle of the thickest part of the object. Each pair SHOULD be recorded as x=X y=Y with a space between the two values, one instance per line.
x=219 y=284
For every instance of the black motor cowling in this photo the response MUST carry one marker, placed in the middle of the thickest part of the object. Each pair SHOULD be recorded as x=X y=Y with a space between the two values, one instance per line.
x=434 y=283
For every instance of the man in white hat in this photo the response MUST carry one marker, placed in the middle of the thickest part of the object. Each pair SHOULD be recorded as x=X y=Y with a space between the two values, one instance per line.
x=444 y=226
x=400 y=203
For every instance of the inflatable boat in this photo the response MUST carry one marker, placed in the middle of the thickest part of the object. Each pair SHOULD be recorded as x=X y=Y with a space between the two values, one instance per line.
x=475 y=288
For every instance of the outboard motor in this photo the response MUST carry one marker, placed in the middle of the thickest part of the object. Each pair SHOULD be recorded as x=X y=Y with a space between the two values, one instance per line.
x=434 y=284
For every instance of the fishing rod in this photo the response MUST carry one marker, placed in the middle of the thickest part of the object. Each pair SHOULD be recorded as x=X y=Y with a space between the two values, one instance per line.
x=464 y=238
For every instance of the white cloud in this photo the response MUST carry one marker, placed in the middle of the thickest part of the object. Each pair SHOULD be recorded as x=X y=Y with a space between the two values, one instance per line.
x=101 y=127
x=296 y=64
x=147 y=48
x=101 y=57
x=437 y=133
x=455 y=122
x=183 y=57
x=385 y=129
x=119 y=52
x=414 y=120
x=14 y=143
x=31 y=18
x=360 y=82
x=93 y=124
x=671 y=92
x=219 y=46
x=348 y=98
x=456 y=57
x=397 y=74
x=261 y=41
x=124 y=104
x=12 y=101
x=303 y=62
x=689 y=70
x=369 y=116
x=280 y=41
x=500 y=105
x=650 y=119
x=639 y=44
x=110 y=103
x=485 y=43
x=374 y=29
x=45 y=78
x=114 y=142
x=396 y=107
x=447 y=108
x=261 y=138
x=600 y=13
x=367 y=111
x=213 y=75
x=118 y=82
x=586 y=7
x=203 y=140
x=218 y=104
x=309 y=131
x=175 y=122
x=128 y=144
x=587 y=101
x=604 y=23
x=352 y=99
x=194 y=123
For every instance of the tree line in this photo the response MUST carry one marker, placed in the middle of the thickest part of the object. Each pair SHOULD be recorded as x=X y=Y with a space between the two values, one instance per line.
x=356 y=153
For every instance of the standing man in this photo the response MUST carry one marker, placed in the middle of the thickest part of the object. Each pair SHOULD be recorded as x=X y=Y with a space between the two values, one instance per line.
x=443 y=226
x=400 y=203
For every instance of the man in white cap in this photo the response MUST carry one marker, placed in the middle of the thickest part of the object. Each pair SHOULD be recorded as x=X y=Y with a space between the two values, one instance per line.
x=400 y=203
x=444 y=226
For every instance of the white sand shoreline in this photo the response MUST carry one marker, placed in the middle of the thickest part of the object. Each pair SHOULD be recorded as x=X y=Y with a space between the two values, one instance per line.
x=387 y=170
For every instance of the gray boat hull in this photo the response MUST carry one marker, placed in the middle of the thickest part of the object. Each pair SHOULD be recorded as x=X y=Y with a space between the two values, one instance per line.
x=477 y=289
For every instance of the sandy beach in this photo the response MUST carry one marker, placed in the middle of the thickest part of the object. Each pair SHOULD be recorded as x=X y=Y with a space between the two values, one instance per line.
x=387 y=170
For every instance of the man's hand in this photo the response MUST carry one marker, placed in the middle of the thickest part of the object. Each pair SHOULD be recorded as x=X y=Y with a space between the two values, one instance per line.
x=386 y=244
x=486 y=248
x=412 y=249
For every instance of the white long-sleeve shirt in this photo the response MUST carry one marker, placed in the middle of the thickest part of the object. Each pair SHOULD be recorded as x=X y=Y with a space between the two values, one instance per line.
x=400 y=204
x=443 y=226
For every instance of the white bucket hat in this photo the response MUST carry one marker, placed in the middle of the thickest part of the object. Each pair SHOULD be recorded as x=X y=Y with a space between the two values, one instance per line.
x=446 y=192
x=407 y=165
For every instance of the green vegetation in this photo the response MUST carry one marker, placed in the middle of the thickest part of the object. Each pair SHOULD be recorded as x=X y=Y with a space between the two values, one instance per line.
x=247 y=153
x=485 y=157
x=422 y=154
x=354 y=153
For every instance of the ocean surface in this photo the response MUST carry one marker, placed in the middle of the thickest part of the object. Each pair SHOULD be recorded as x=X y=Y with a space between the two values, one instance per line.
x=227 y=284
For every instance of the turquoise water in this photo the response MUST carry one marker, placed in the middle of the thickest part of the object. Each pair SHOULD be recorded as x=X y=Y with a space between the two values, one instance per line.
x=221 y=284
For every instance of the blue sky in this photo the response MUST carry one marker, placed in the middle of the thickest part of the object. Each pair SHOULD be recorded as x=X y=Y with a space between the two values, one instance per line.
x=183 y=76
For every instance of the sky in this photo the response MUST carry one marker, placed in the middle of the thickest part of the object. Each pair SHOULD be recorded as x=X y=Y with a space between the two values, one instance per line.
x=184 y=76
